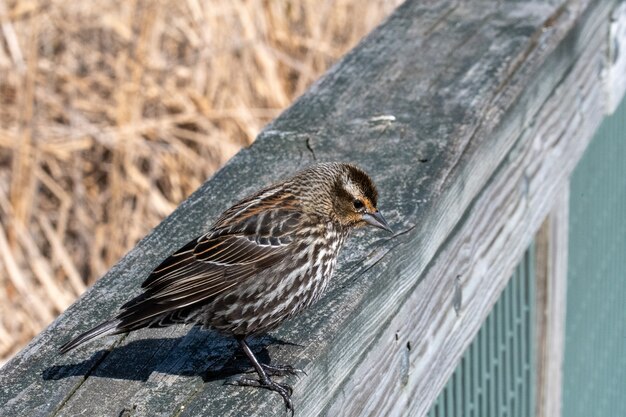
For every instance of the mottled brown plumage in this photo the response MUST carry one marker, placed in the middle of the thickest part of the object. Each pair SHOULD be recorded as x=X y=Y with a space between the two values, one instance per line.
x=265 y=259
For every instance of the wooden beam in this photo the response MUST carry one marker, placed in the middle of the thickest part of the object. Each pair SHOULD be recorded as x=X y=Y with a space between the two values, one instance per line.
x=551 y=276
x=483 y=251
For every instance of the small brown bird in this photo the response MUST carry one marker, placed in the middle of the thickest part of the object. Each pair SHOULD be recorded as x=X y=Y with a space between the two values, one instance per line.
x=266 y=258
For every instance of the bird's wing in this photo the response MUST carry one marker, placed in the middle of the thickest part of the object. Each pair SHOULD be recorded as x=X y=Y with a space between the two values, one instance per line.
x=231 y=253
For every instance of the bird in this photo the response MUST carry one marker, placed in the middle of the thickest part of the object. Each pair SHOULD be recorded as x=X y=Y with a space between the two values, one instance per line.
x=267 y=258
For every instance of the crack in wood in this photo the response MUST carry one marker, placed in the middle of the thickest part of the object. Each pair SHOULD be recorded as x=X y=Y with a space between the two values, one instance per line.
x=83 y=380
x=440 y=20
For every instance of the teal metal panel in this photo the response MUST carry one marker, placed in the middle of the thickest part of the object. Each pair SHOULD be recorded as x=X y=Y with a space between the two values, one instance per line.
x=594 y=378
x=496 y=375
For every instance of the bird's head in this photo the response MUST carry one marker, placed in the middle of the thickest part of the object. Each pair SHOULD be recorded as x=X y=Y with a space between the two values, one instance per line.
x=343 y=192
x=355 y=199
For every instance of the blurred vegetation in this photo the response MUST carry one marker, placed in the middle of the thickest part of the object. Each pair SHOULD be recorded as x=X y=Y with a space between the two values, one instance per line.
x=112 y=112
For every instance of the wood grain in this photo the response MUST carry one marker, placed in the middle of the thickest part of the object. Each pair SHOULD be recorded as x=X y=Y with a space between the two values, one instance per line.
x=470 y=117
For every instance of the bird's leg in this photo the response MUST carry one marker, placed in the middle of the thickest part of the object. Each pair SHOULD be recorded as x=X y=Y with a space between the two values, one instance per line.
x=264 y=380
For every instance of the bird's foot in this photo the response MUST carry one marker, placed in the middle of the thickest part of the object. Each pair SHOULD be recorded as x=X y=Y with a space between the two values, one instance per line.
x=281 y=370
x=284 y=390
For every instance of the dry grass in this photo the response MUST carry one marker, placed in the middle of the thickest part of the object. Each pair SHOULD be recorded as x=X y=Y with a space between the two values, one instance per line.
x=112 y=112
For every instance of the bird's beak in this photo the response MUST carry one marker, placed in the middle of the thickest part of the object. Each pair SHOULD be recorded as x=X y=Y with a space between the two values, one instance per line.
x=377 y=220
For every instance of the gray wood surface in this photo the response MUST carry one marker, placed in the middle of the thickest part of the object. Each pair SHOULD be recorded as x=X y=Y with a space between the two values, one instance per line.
x=487 y=107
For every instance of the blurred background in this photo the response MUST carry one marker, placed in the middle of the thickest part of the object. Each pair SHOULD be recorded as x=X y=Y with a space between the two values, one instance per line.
x=113 y=112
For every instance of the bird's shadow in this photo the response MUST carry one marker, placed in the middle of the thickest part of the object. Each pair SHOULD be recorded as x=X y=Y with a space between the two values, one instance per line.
x=208 y=355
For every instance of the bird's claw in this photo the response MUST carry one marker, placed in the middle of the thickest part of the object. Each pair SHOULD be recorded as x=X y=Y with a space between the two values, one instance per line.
x=284 y=390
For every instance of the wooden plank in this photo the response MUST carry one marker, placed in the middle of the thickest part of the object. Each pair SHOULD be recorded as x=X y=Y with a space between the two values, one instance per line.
x=456 y=103
x=483 y=251
x=551 y=276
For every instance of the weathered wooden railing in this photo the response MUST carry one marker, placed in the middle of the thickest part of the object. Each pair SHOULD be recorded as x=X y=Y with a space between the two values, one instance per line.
x=470 y=116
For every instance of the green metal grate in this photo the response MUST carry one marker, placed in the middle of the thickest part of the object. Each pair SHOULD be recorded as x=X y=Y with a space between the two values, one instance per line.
x=594 y=371
x=495 y=377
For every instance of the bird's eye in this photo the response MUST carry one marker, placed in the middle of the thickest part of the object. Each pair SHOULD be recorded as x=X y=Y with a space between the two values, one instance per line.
x=358 y=204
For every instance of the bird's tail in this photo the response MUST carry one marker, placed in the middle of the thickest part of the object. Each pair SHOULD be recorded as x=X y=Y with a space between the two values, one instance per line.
x=103 y=329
